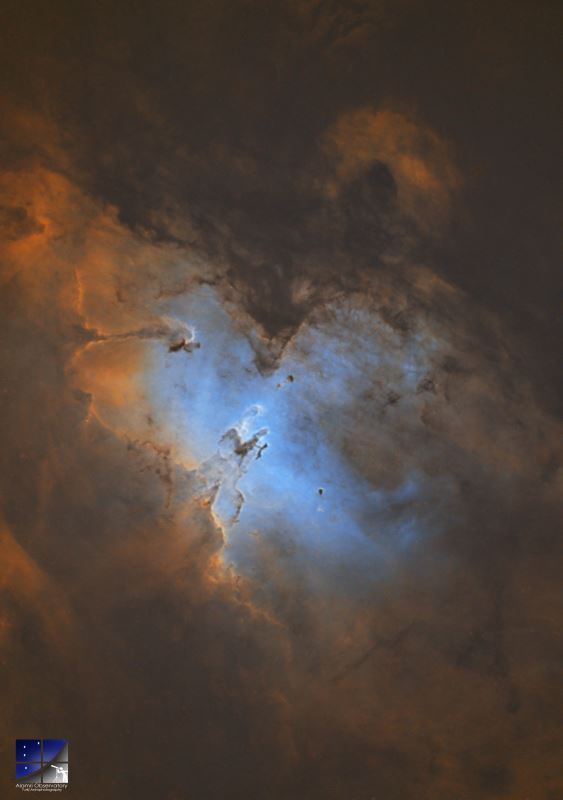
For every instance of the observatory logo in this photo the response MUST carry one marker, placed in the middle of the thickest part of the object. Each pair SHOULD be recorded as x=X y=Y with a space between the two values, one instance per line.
x=41 y=765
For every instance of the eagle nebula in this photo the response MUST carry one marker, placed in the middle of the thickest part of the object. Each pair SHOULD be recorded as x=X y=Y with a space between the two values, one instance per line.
x=281 y=487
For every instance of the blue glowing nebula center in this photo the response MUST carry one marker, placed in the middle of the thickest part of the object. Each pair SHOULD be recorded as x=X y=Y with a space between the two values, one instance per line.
x=272 y=450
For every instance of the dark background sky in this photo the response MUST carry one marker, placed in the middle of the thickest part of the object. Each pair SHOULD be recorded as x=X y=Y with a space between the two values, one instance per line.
x=146 y=136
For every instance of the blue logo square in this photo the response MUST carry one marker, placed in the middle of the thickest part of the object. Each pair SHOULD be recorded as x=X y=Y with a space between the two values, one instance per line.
x=41 y=761
x=28 y=750
x=27 y=770
x=55 y=750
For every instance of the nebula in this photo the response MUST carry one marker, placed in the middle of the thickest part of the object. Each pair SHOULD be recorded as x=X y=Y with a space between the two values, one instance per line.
x=281 y=428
